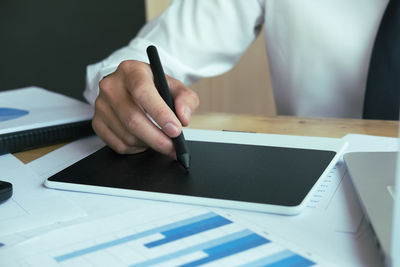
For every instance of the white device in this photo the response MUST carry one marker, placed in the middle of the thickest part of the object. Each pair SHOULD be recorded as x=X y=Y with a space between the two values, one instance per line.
x=259 y=172
x=373 y=175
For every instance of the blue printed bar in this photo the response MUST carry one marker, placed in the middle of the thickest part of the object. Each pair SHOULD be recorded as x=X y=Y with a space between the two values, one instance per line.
x=200 y=247
x=229 y=248
x=295 y=260
x=189 y=229
x=133 y=237
x=279 y=259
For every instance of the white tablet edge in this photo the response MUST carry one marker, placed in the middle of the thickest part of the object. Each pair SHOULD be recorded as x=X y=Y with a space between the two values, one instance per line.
x=290 y=141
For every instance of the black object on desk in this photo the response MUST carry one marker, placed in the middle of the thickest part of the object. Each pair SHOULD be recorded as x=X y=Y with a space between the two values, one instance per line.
x=44 y=136
x=182 y=152
x=5 y=191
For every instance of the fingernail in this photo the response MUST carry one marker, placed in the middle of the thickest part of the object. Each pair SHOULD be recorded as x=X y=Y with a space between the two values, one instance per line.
x=171 y=130
x=187 y=112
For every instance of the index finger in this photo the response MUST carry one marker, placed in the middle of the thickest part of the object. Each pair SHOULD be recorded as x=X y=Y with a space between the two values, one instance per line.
x=141 y=87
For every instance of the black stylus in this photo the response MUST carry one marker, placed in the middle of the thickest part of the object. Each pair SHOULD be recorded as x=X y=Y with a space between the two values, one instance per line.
x=182 y=151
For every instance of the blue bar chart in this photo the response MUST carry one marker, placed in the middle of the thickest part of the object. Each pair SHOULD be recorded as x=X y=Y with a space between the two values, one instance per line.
x=206 y=238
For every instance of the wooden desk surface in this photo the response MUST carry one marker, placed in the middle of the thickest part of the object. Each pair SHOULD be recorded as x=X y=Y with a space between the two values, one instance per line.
x=325 y=127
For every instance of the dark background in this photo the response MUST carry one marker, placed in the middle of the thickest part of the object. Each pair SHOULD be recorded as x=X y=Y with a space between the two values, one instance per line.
x=49 y=43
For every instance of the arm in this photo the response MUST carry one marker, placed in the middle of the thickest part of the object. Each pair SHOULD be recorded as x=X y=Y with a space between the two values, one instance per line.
x=195 y=39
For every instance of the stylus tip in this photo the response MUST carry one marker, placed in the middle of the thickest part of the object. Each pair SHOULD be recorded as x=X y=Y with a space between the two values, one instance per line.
x=184 y=159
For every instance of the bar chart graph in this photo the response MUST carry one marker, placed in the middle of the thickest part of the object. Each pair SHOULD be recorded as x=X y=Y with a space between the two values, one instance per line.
x=203 y=239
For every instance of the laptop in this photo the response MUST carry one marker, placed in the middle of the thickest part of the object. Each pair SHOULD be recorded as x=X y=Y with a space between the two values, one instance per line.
x=374 y=175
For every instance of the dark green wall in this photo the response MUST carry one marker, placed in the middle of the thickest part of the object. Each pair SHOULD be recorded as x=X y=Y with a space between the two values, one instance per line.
x=49 y=43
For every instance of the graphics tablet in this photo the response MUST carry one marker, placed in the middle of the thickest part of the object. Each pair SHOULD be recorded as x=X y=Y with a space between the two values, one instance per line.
x=259 y=172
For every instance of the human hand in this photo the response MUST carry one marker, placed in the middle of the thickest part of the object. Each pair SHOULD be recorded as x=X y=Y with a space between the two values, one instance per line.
x=124 y=99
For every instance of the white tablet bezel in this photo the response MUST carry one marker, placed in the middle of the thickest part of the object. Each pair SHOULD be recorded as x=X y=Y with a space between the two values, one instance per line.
x=289 y=141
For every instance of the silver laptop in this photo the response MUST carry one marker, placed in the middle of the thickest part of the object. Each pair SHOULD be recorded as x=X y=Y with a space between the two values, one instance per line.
x=373 y=175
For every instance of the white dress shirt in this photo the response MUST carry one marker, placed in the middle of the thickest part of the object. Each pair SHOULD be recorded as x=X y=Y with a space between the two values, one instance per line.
x=318 y=50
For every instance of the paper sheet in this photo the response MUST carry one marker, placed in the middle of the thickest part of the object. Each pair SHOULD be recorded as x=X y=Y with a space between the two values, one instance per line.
x=65 y=156
x=158 y=237
x=93 y=204
x=31 y=205
x=34 y=107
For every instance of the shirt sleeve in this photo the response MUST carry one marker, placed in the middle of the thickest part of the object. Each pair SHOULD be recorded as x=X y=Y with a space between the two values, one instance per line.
x=195 y=39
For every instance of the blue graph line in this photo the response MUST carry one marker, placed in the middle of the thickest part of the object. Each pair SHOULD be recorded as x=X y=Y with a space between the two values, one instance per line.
x=200 y=247
x=133 y=237
x=269 y=259
x=190 y=229
x=215 y=249
x=276 y=258
x=295 y=260
x=229 y=248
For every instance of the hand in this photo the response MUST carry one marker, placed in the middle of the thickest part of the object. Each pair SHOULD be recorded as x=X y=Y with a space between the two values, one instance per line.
x=124 y=99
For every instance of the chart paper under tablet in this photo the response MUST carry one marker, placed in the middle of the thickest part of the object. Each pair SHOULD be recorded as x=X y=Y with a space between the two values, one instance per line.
x=253 y=177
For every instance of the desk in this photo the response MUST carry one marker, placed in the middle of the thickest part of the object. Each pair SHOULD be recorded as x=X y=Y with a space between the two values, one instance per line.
x=298 y=230
x=323 y=127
